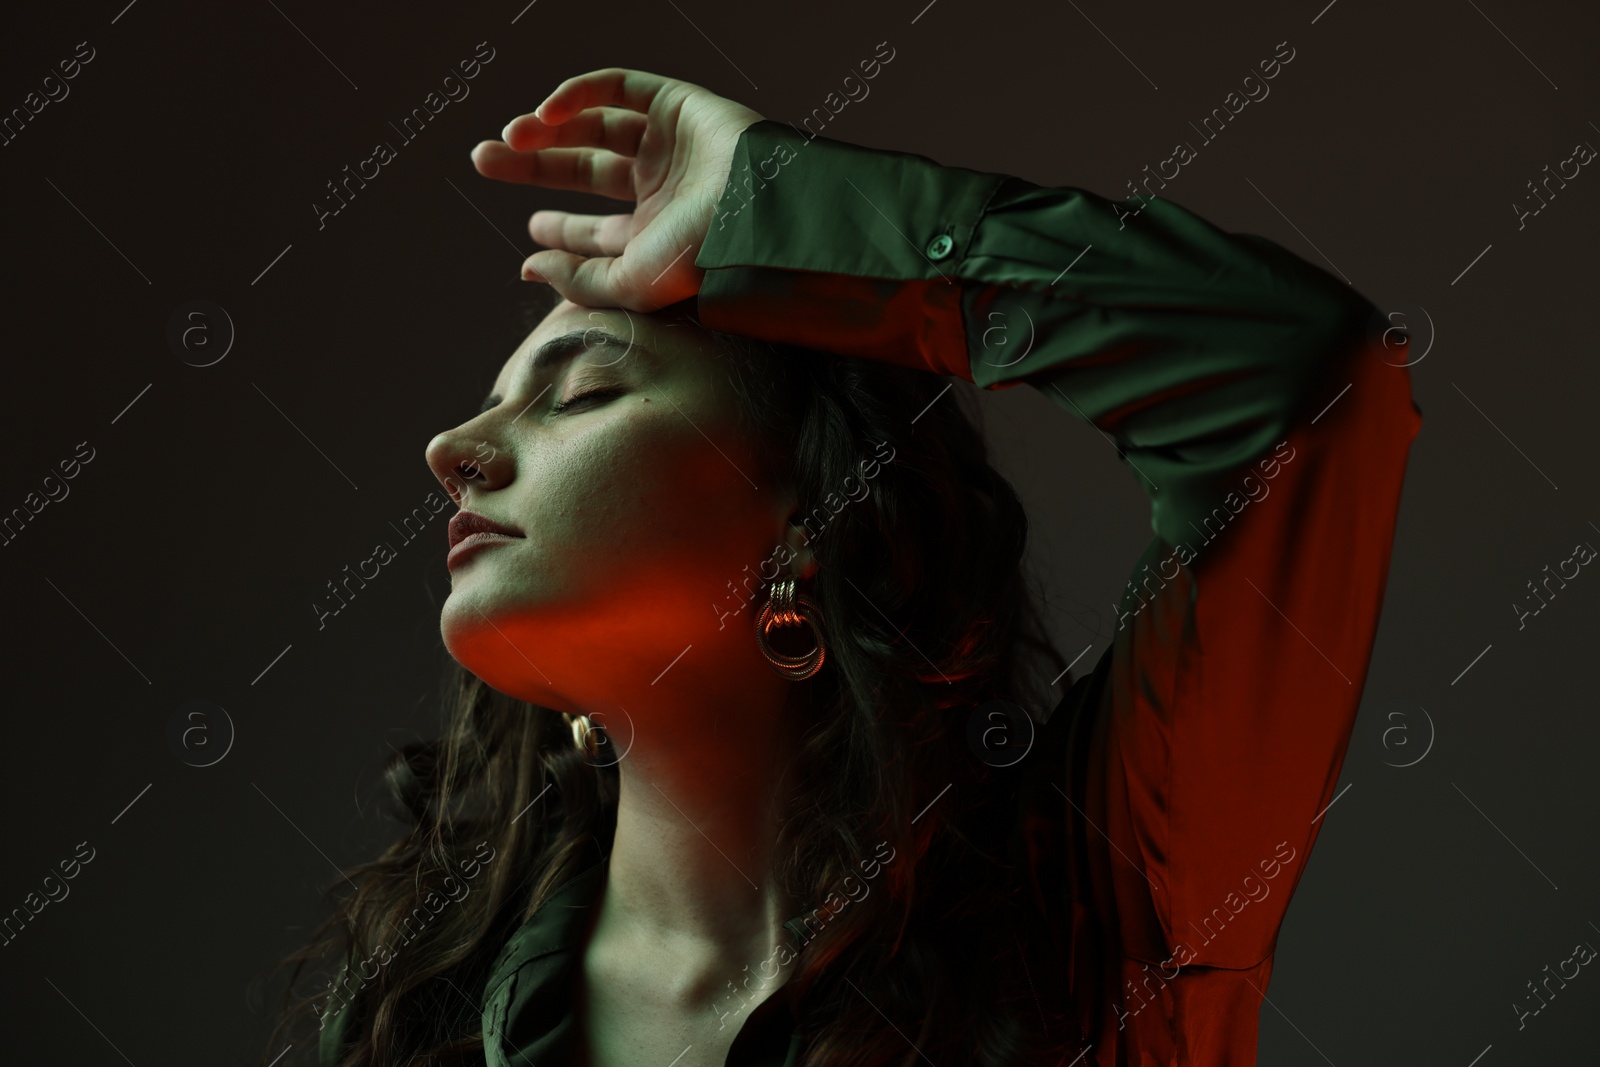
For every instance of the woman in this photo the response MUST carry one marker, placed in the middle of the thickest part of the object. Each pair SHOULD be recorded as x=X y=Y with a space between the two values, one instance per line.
x=814 y=823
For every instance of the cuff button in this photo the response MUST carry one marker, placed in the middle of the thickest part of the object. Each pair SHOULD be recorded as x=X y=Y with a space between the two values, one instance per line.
x=940 y=246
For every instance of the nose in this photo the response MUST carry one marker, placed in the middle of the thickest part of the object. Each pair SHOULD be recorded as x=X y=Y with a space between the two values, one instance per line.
x=461 y=460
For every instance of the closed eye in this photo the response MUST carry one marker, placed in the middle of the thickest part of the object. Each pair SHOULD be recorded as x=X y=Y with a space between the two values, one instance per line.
x=594 y=394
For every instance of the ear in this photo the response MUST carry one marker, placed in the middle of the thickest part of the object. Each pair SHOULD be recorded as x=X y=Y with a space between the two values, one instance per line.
x=802 y=561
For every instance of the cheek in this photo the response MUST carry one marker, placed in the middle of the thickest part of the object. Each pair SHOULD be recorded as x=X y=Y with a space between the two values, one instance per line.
x=635 y=523
x=645 y=491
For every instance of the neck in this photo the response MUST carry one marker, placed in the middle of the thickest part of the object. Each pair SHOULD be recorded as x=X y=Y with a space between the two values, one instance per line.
x=691 y=895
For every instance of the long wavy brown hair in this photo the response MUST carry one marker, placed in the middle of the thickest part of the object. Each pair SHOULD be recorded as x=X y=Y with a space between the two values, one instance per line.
x=934 y=641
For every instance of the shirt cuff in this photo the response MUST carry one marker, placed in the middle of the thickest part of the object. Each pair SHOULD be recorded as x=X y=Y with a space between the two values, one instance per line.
x=822 y=244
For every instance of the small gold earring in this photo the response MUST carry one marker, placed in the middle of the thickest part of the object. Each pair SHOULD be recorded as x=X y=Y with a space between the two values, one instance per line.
x=585 y=735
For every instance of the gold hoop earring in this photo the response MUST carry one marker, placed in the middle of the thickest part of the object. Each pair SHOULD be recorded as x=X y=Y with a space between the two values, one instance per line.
x=786 y=607
x=585 y=735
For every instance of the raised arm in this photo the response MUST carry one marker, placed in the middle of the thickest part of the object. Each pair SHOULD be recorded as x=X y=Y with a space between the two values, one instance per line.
x=1270 y=431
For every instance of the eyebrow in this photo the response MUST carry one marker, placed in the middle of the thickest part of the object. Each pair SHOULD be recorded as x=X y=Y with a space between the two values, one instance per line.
x=564 y=347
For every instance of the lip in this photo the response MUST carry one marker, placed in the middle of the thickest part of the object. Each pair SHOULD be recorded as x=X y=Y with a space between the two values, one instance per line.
x=470 y=531
x=473 y=542
x=463 y=524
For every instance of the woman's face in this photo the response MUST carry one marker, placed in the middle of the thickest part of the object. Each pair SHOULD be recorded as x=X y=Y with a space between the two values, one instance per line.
x=615 y=454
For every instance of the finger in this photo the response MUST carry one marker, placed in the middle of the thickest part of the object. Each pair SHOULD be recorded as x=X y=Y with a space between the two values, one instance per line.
x=600 y=281
x=616 y=86
x=587 y=235
x=588 y=170
x=561 y=270
x=612 y=128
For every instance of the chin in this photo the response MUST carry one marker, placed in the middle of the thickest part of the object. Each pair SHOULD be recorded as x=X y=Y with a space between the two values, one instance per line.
x=492 y=645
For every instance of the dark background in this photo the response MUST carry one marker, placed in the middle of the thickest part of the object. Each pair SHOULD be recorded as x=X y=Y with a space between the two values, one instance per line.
x=183 y=563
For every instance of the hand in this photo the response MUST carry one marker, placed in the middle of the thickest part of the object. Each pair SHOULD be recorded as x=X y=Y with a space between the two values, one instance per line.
x=665 y=144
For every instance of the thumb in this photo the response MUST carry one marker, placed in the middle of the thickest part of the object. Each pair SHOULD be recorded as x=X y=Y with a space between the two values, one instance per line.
x=559 y=269
x=604 y=281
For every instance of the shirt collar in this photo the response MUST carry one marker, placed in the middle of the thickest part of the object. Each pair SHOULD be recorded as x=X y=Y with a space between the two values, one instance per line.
x=528 y=1015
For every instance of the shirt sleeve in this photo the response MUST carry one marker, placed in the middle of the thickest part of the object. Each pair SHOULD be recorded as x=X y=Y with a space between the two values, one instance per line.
x=335 y=1033
x=1268 y=422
